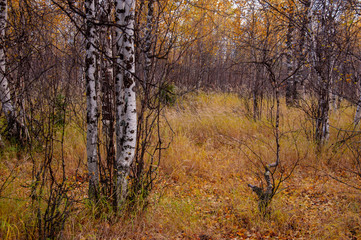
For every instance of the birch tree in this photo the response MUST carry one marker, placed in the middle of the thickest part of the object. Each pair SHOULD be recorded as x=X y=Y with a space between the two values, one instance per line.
x=106 y=82
x=319 y=59
x=91 y=96
x=323 y=58
x=358 y=106
x=301 y=50
x=7 y=105
x=290 y=83
x=126 y=114
x=148 y=43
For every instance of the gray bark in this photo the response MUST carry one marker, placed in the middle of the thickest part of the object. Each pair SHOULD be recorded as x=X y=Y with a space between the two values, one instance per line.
x=126 y=114
x=106 y=71
x=300 y=54
x=7 y=105
x=290 y=83
x=358 y=109
x=321 y=61
x=148 y=43
x=322 y=120
x=91 y=97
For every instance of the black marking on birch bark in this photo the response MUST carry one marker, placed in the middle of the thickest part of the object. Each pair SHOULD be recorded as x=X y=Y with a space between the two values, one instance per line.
x=89 y=61
x=88 y=89
x=127 y=146
x=125 y=108
x=91 y=160
x=121 y=10
x=129 y=66
x=128 y=18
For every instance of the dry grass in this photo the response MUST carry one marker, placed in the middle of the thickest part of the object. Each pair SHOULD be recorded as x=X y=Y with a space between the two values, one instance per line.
x=202 y=193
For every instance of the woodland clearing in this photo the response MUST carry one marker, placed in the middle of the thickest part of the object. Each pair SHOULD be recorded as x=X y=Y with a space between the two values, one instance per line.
x=201 y=191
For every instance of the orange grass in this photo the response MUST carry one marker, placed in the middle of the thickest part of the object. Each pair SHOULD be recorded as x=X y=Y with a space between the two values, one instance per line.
x=202 y=191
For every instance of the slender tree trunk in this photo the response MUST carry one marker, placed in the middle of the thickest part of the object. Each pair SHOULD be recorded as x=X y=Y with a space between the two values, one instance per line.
x=147 y=80
x=7 y=105
x=358 y=109
x=300 y=51
x=106 y=81
x=148 y=46
x=91 y=96
x=126 y=113
x=290 y=83
x=332 y=88
x=322 y=121
x=321 y=61
x=256 y=93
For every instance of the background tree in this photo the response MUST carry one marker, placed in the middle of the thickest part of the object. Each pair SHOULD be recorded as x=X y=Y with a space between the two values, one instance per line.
x=91 y=93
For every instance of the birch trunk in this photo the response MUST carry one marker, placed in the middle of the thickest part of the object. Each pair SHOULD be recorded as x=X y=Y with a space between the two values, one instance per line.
x=126 y=114
x=358 y=109
x=148 y=44
x=299 y=80
x=290 y=84
x=322 y=121
x=91 y=96
x=7 y=106
x=106 y=71
x=107 y=94
x=321 y=61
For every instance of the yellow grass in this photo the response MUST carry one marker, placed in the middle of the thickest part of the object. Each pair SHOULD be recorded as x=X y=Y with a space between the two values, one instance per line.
x=202 y=191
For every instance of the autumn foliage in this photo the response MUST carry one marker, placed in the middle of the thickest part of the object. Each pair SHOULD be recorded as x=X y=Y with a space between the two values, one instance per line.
x=246 y=123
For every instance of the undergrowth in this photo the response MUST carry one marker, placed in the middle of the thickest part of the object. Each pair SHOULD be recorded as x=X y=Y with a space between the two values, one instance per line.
x=202 y=190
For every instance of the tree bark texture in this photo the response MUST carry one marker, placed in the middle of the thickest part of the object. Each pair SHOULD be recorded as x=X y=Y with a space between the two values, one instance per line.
x=321 y=60
x=91 y=97
x=126 y=114
x=358 y=109
x=5 y=97
x=290 y=83
x=148 y=44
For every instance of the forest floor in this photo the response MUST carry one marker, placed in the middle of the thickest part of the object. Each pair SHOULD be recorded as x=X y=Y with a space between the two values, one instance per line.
x=216 y=150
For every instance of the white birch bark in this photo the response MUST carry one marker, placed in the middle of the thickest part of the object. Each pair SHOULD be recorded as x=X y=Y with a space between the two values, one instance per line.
x=301 y=52
x=5 y=98
x=126 y=114
x=317 y=56
x=91 y=96
x=290 y=98
x=148 y=43
x=106 y=67
x=358 y=109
